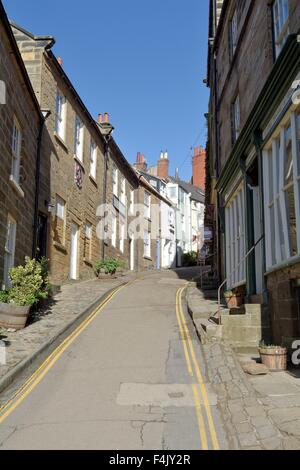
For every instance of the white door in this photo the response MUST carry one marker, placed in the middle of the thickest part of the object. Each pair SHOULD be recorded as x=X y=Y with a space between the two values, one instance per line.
x=132 y=253
x=74 y=252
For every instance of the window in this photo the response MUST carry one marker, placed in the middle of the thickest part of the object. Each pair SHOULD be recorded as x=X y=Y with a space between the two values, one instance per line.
x=60 y=208
x=59 y=222
x=78 y=139
x=16 y=151
x=235 y=240
x=60 y=115
x=236 y=119
x=131 y=205
x=147 y=203
x=87 y=247
x=9 y=249
x=115 y=181
x=114 y=230
x=282 y=193
x=122 y=236
x=147 y=244
x=233 y=34
x=281 y=23
x=172 y=192
x=93 y=159
x=123 y=190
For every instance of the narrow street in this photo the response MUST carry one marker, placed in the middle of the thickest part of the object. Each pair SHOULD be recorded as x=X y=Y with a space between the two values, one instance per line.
x=132 y=376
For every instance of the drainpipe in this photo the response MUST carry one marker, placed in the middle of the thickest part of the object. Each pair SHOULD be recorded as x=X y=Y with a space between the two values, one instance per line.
x=45 y=114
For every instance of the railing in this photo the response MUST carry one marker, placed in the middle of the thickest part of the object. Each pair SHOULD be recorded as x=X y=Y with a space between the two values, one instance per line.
x=205 y=258
x=233 y=272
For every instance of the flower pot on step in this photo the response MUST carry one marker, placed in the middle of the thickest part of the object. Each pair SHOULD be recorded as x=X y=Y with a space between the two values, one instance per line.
x=13 y=316
x=233 y=300
x=275 y=358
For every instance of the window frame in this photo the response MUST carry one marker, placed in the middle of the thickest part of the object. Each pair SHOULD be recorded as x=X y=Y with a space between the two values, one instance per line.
x=115 y=181
x=123 y=189
x=147 y=244
x=78 y=138
x=16 y=149
x=60 y=115
x=93 y=159
x=9 y=251
x=281 y=33
x=147 y=205
x=114 y=230
x=233 y=33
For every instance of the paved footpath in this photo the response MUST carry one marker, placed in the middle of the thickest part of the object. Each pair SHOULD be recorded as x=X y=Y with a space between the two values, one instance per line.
x=131 y=377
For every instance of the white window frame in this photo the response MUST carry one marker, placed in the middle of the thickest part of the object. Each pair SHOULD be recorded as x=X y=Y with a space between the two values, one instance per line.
x=131 y=202
x=281 y=23
x=147 y=244
x=235 y=239
x=60 y=207
x=236 y=108
x=278 y=243
x=60 y=115
x=9 y=249
x=123 y=190
x=115 y=181
x=93 y=159
x=16 y=151
x=78 y=138
x=233 y=31
x=114 y=230
x=147 y=205
x=122 y=236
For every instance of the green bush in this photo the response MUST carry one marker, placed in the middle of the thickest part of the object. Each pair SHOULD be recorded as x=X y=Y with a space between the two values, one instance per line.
x=110 y=265
x=4 y=296
x=29 y=283
x=190 y=258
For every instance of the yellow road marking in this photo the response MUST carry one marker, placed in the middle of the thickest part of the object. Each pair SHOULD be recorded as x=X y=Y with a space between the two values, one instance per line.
x=201 y=424
x=210 y=420
x=38 y=375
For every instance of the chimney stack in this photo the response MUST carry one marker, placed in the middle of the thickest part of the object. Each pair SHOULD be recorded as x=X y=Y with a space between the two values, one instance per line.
x=163 y=165
x=140 y=163
x=199 y=170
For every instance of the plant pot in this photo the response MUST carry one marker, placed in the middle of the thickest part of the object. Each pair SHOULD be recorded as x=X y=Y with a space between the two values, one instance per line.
x=13 y=316
x=274 y=358
x=234 y=301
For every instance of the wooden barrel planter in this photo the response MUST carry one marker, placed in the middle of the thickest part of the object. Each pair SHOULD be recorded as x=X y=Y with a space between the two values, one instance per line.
x=13 y=316
x=274 y=358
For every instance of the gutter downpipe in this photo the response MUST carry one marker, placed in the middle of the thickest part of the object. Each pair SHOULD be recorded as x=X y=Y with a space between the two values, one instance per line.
x=37 y=186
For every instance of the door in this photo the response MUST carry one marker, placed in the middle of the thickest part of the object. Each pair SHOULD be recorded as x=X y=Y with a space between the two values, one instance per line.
x=131 y=253
x=41 y=249
x=158 y=253
x=74 y=252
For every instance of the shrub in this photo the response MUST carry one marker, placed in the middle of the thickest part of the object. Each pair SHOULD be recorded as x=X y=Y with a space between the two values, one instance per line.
x=190 y=258
x=110 y=265
x=29 y=283
x=4 y=296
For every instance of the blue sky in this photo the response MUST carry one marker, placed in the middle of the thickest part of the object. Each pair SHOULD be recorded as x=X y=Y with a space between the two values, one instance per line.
x=143 y=61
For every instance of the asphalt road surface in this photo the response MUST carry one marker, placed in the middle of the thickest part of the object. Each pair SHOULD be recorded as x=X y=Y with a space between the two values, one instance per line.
x=130 y=377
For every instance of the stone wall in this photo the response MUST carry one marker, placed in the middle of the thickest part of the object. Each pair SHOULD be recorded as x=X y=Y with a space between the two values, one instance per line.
x=19 y=103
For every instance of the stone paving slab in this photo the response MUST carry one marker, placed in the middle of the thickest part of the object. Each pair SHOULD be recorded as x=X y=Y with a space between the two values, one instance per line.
x=259 y=413
x=67 y=306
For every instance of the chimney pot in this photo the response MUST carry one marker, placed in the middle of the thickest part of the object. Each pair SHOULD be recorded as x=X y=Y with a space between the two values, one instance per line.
x=100 y=118
x=59 y=60
x=106 y=117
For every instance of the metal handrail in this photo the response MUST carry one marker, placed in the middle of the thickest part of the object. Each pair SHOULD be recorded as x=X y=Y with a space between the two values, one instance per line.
x=235 y=269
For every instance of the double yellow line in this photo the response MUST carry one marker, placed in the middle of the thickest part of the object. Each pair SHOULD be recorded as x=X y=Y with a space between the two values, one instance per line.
x=38 y=375
x=199 y=389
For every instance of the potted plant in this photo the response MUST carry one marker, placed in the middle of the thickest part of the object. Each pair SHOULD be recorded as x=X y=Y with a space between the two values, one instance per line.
x=108 y=267
x=29 y=285
x=233 y=299
x=274 y=357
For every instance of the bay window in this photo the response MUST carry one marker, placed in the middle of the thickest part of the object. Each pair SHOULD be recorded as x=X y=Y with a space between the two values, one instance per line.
x=281 y=160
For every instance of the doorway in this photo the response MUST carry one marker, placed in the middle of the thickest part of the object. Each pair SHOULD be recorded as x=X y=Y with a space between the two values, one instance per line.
x=42 y=236
x=74 y=252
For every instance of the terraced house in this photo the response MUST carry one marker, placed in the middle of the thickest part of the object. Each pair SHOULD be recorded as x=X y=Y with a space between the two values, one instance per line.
x=82 y=166
x=21 y=125
x=253 y=73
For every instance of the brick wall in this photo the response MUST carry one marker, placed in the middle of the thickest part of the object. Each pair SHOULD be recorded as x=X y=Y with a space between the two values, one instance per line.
x=19 y=103
x=283 y=303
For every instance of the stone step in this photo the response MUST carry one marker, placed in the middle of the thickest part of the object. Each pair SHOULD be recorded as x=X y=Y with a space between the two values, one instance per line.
x=211 y=329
